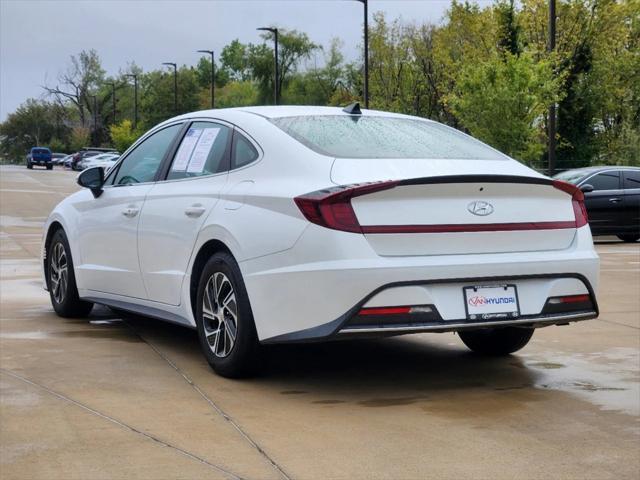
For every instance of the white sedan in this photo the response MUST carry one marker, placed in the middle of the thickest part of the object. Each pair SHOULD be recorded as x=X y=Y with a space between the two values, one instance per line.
x=104 y=160
x=297 y=224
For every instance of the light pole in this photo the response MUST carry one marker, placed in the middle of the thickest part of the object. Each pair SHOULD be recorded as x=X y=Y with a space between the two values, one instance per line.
x=113 y=98
x=175 y=85
x=95 y=112
x=135 y=98
x=365 y=3
x=213 y=76
x=276 y=90
x=552 y=107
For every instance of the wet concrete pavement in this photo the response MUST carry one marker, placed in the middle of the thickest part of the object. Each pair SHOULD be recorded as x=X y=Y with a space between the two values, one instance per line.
x=112 y=397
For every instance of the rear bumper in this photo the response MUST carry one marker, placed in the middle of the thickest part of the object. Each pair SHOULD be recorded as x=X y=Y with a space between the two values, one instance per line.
x=310 y=292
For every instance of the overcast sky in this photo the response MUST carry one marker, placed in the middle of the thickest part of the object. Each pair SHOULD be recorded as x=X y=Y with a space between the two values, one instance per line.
x=38 y=36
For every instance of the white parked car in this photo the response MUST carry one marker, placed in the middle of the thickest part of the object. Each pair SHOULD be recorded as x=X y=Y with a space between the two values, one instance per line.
x=297 y=224
x=104 y=160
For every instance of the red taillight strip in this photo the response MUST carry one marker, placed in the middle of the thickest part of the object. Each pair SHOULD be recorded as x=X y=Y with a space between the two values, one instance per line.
x=385 y=311
x=467 y=227
x=579 y=209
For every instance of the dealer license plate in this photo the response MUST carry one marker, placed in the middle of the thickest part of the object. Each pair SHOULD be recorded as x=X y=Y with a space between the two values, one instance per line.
x=491 y=302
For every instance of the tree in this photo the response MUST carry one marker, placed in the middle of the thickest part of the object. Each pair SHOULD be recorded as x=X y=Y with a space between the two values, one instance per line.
x=502 y=102
x=32 y=124
x=83 y=76
x=123 y=135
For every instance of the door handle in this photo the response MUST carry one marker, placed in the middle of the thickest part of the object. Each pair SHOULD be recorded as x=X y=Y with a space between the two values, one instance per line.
x=615 y=200
x=194 y=211
x=130 y=212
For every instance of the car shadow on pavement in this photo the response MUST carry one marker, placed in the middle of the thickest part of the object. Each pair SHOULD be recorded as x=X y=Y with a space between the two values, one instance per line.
x=410 y=366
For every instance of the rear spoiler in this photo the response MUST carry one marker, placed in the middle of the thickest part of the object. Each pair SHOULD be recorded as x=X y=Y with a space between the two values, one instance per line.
x=477 y=179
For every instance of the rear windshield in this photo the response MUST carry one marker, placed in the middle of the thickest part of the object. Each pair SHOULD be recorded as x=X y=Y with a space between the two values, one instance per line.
x=383 y=137
x=40 y=151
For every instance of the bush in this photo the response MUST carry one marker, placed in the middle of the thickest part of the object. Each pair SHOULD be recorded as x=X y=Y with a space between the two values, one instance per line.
x=123 y=135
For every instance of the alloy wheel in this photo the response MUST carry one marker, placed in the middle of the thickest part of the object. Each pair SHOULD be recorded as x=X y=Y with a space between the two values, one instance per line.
x=220 y=314
x=59 y=273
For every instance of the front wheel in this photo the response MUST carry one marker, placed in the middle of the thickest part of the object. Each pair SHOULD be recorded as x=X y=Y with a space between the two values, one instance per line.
x=496 y=341
x=61 y=280
x=224 y=319
x=629 y=237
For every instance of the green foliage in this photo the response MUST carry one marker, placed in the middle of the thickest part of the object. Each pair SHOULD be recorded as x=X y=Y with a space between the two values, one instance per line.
x=502 y=100
x=80 y=137
x=56 y=145
x=123 y=135
x=484 y=69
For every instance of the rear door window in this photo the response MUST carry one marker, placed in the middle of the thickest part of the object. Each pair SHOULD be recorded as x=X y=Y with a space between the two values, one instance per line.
x=204 y=150
x=631 y=179
x=605 y=181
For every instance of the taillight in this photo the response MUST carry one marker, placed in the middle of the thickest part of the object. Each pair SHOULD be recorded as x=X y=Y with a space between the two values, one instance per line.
x=579 y=209
x=331 y=208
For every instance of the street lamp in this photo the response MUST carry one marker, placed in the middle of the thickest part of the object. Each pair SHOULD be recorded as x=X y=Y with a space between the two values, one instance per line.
x=135 y=98
x=276 y=92
x=366 y=51
x=213 y=76
x=95 y=112
x=175 y=85
x=113 y=97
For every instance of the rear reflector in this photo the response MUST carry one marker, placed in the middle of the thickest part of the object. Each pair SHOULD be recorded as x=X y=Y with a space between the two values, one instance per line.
x=570 y=299
x=395 y=310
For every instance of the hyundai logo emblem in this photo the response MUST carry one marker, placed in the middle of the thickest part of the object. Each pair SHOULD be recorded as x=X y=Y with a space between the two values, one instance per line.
x=480 y=208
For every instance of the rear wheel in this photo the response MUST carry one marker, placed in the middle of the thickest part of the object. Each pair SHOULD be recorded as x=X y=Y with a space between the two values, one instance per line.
x=62 y=281
x=224 y=319
x=629 y=237
x=49 y=166
x=29 y=166
x=496 y=341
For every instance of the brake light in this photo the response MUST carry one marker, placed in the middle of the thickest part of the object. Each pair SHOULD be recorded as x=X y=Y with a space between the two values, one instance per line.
x=579 y=209
x=331 y=207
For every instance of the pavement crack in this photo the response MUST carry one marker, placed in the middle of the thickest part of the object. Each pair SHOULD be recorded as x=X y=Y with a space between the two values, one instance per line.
x=215 y=406
x=121 y=424
x=618 y=323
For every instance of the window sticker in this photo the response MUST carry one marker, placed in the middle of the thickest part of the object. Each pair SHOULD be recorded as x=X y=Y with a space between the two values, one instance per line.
x=186 y=149
x=202 y=149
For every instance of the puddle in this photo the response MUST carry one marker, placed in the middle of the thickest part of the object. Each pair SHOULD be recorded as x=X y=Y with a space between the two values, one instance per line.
x=293 y=392
x=119 y=334
x=328 y=402
x=609 y=379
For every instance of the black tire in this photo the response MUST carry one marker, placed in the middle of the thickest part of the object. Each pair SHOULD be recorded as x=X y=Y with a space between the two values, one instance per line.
x=629 y=237
x=29 y=166
x=496 y=341
x=49 y=166
x=65 y=300
x=243 y=356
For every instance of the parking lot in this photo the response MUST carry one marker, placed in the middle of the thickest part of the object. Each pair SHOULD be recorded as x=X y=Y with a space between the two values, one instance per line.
x=128 y=397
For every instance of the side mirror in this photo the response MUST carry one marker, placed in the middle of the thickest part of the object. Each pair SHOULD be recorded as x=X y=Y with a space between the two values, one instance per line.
x=586 y=188
x=93 y=179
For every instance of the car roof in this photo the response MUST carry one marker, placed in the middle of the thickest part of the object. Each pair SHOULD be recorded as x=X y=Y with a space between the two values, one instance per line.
x=595 y=169
x=280 y=111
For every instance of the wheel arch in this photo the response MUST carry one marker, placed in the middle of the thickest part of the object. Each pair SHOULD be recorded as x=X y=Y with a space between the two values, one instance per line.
x=53 y=227
x=205 y=252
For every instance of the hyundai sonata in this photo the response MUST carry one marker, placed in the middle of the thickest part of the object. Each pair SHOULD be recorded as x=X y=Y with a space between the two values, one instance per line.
x=300 y=224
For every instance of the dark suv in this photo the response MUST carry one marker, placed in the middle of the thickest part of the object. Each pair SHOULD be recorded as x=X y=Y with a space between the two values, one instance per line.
x=612 y=198
x=40 y=156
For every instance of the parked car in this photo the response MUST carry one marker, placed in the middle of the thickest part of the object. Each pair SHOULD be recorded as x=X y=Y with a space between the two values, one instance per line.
x=57 y=157
x=612 y=198
x=104 y=160
x=63 y=161
x=86 y=152
x=39 y=156
x=283 y=224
